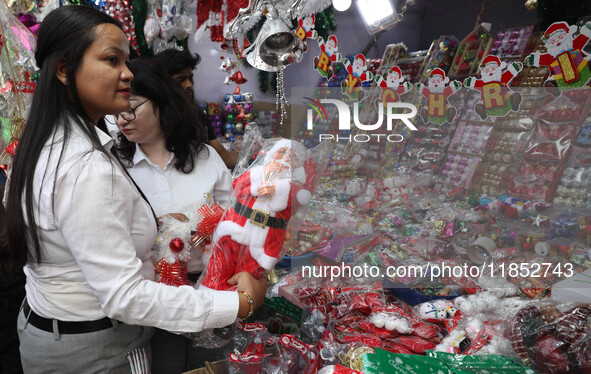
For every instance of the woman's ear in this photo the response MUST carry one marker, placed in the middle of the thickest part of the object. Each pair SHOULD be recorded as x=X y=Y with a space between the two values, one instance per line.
x=60 y=72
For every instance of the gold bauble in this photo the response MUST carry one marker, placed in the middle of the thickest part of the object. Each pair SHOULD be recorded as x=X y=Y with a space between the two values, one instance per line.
x=531 y=4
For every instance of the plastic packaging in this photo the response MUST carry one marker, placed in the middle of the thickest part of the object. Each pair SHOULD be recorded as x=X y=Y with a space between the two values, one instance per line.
x=554 y=337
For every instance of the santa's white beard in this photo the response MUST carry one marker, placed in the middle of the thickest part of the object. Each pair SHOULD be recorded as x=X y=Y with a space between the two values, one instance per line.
x=565 y=45
x=494 y=77
x=296 y=175
x=394 y=84
x=437 y=89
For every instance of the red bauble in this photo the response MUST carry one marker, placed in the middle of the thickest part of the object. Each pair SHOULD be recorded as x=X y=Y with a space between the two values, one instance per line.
x=176 y=245
x=580 y=353
x=551 y=355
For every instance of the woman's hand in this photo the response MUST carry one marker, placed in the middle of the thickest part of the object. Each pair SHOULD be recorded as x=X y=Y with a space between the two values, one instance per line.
x=255 y=288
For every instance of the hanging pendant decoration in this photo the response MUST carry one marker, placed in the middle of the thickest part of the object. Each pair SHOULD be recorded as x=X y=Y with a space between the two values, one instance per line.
x=281 y=100
x=169 y=22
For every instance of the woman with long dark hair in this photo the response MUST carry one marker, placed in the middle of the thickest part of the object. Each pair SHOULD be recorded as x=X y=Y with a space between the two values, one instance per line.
x=78 y=224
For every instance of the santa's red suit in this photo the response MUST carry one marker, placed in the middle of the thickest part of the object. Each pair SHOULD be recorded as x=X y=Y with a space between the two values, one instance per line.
x=251 y=235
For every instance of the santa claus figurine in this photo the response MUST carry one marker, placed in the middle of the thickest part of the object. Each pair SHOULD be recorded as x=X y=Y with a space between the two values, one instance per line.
x=251 y=234
x=568 y=63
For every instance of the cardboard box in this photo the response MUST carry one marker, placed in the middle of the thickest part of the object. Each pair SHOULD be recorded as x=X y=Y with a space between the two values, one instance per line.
x=217 y=367
x=197 y=371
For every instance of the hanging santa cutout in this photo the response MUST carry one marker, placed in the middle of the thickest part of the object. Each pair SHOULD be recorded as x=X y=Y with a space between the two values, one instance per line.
x=497 y=98
x=437 y=92
x=568 y=63
x=328 y=55
x=357 y=74
x=305 y=29
x=393 y=85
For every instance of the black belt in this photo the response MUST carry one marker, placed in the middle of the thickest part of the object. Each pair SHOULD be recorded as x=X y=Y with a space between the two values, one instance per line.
x=83 y=327
x=259 y=217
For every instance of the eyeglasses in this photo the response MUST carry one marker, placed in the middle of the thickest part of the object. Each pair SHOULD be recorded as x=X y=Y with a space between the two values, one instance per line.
x=128 y=115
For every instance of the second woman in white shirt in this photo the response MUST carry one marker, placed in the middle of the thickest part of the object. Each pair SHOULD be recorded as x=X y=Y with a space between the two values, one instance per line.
x=167 y=156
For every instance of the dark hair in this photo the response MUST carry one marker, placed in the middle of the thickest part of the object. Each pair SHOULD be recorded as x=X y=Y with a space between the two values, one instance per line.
x=64 y=35
x=179 y=121
x=174 y=60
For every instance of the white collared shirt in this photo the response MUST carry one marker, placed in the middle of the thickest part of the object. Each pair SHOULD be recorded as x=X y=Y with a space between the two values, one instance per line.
x=96 y=244
x=171 y=191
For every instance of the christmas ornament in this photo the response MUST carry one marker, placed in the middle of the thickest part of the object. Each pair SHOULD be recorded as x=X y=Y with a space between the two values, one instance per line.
x=211 y=215
x=328 y=56
x=437 y=92
x=253 y=230
x=393 y=85
x=496 y=97
x=121 y=11
x=565 y=57
x=357 y=74
x=167 y=23
x=17 y=80
x=304 y=29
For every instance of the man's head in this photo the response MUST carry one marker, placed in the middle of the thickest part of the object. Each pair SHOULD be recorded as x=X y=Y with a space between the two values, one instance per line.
x=180 y=65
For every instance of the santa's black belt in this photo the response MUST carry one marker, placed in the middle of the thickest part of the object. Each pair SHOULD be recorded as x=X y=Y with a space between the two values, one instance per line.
x=259 y=217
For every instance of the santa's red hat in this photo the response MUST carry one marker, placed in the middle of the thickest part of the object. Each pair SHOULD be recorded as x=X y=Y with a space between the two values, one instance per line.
x=313 y=17
x=361 y=57
x=437 y=71
x=555 y=28
x=490 y=59
x=333 y=38
x=395 y=69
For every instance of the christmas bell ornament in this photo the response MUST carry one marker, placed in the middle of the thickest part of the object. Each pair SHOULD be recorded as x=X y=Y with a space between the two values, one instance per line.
x=238 y=78
x=276 y=45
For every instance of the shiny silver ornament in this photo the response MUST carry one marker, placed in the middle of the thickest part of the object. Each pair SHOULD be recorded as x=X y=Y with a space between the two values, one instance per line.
x=276 y=46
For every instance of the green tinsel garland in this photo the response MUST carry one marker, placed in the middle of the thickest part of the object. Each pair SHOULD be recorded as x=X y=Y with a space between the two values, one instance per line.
x=140 y=14
x=324 y=25
x=325 y=22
